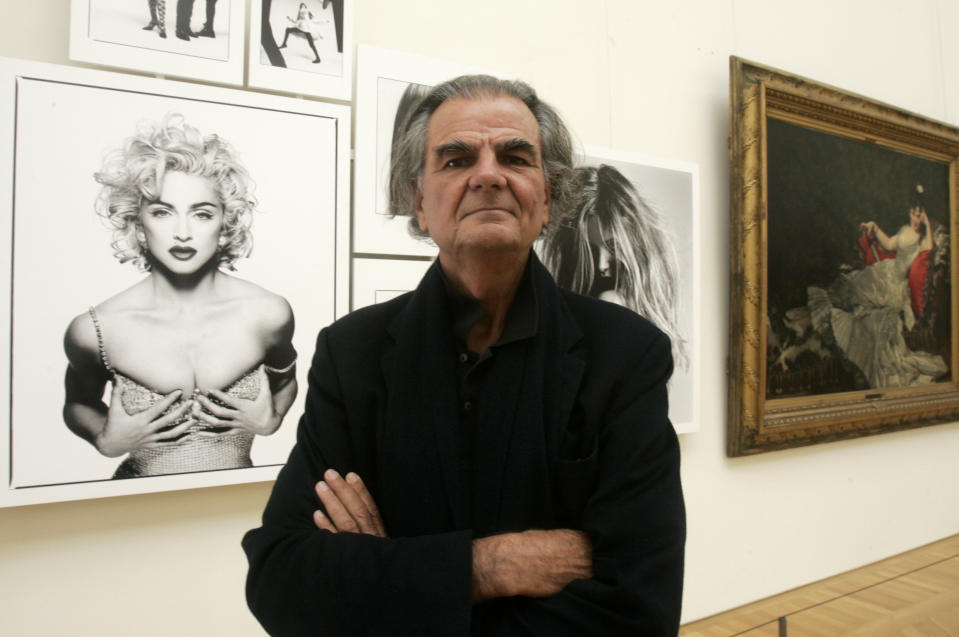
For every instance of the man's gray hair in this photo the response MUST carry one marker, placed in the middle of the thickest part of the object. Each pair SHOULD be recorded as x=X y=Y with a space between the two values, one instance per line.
x=409 y=150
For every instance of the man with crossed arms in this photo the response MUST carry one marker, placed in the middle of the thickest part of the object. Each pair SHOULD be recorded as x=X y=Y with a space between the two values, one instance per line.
x=489 y=454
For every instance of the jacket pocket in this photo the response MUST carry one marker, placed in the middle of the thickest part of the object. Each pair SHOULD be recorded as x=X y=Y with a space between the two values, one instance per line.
x=573 y=482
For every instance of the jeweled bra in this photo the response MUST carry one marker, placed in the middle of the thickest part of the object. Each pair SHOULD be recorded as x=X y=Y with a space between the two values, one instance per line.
x=201 y=448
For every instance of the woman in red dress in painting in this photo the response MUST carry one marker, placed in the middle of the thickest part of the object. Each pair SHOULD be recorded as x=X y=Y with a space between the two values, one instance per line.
x=868 y=310
x=613 y=246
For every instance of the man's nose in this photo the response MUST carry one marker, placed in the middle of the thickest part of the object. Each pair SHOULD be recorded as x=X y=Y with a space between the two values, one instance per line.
x=487 y=171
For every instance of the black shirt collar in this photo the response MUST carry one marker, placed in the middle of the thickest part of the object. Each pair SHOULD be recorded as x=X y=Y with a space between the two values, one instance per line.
x=521 y=321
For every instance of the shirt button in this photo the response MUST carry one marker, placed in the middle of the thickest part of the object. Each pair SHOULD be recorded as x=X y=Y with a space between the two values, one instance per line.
x=467 y=406
x=463 y=357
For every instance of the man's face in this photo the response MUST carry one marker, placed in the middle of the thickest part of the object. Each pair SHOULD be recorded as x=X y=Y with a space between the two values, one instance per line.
x=483 y=191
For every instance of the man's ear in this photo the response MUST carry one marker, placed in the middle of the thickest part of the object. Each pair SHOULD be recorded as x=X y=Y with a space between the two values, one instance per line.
x=418 y=208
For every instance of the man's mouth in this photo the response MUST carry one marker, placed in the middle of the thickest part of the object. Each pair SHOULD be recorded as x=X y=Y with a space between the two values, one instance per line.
x=489 y=209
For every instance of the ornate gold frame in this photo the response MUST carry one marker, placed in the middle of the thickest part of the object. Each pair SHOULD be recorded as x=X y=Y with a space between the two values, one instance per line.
x=756 y=424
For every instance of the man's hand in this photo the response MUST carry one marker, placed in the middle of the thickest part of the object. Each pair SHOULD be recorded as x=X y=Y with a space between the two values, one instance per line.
x=531 y=563
x=349 y=506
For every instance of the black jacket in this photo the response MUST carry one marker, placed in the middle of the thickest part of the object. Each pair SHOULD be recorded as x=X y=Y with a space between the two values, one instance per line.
x=572 y=432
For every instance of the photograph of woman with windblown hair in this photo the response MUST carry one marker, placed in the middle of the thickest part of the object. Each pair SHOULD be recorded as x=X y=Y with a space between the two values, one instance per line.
x=629 y=240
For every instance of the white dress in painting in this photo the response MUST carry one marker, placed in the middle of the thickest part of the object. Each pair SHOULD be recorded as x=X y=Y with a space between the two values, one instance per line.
x=866 y=310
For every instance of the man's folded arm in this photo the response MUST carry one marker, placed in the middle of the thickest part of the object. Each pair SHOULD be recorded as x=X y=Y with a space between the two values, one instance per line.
x=309 y=581
x=305 y=580
x=622 y=574
x=635 y=520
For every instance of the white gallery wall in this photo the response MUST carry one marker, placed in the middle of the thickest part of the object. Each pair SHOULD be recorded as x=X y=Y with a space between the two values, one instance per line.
x=638 y=75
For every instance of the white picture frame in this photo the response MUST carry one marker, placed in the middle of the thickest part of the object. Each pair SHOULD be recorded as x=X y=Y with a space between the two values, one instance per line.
x=56 y=124
x=671 y=188
x=329 y=36
x=112 y=33
x=381 y=77
x=379 y=280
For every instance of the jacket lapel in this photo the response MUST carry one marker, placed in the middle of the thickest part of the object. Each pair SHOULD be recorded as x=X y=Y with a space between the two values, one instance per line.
x=421 y=416
x=564 y=360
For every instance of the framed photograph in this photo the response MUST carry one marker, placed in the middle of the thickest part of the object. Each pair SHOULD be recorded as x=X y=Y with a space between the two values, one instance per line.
x=379 y=280
x=199 y=39
x=633 y=239
x=388 y=84
x=172 y=251
x=302 y=46
x=843 y=320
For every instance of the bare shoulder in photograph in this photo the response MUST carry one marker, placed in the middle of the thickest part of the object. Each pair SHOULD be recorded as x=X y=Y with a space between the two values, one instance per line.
x=614 y=246
x=179 y=372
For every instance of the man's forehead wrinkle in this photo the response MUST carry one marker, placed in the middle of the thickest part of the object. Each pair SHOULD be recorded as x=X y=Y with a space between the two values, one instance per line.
x=496 y=114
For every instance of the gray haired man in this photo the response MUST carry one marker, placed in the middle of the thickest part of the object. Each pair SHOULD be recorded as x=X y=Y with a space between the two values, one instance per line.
x=488 y=454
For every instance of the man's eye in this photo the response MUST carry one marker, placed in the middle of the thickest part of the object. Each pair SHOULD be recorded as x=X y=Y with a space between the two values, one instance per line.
x=517 y=160
x=457 y=162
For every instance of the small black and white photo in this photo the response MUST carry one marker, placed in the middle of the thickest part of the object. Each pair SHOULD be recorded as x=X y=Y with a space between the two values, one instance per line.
x=397 y=101
x=630 y=239
x=388 y=84
x=303 y=29
x=200 y=39
x=377 y=230
x=158 y=24
x=172 y=260
x=302 y=46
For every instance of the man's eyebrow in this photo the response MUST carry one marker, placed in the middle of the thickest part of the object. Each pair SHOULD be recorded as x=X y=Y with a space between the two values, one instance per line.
x=517 y=143
x=455 y=147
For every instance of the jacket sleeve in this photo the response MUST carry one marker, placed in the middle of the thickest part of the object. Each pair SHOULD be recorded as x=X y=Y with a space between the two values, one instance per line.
x=634 y=516
x=303 y=580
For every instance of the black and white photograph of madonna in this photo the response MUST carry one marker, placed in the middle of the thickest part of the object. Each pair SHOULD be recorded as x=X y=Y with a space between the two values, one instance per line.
x=630 y=240
x=200 y=361
x=168 y=253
